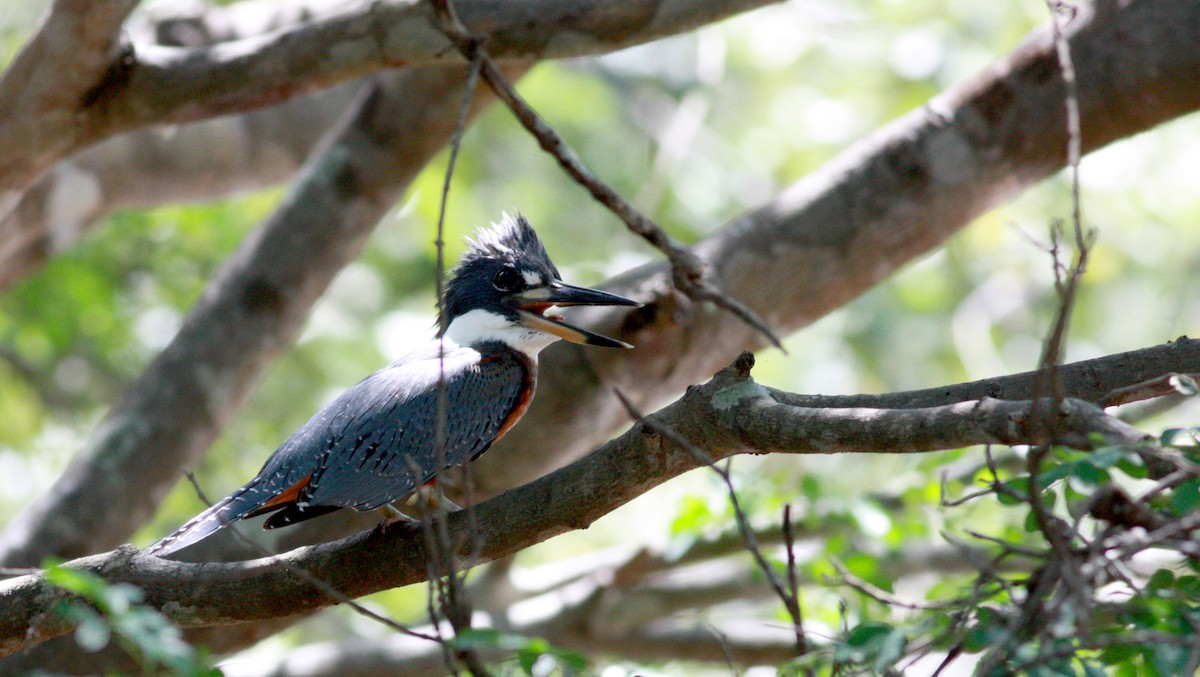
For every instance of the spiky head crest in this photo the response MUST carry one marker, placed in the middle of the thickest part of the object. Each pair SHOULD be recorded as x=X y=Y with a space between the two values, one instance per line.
x=512 y=242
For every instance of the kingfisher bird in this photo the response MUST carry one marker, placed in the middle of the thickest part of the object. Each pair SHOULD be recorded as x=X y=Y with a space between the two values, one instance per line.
x=376 y=442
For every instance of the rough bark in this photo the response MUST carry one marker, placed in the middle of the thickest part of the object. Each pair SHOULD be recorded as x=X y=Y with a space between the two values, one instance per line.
x=730 y=414
x=250 y=312
x=149 y=167
x=121 y=87
x=835 y=234
x=58 y=76
x=883 y=203
x=838 y=232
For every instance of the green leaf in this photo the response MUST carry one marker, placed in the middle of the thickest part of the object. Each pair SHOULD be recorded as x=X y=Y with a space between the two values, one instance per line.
x=1048 y=477
x=1031 y=523
x=1118 y=654
x=1133 y=465
x=1017 y=485
x=1087 y=476
x=83 y=583
x=868 y=633
x=1161 y=579
x=1168 y=659
x=890 y=649
x=1126 y=669
x=1186 y=497
x=1109 y=457
x=489 y=638
x=1188 y=586
x=1178 y=437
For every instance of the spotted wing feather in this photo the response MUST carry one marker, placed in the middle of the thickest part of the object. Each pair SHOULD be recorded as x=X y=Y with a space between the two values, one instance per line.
x=375 y=442
x=386 y=451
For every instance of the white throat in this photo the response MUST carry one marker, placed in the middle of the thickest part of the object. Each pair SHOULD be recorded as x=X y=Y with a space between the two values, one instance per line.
x=480 y=325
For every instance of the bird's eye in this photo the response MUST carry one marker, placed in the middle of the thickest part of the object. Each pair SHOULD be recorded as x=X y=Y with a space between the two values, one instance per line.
x=507 y=279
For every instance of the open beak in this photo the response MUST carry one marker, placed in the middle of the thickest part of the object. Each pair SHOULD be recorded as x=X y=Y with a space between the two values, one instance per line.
x=533 y=303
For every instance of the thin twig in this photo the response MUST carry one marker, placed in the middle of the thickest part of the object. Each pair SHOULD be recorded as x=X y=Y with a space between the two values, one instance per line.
x=1159 y=386
x=790 y=601
x=689 y=273
x=1008 y=545
x=449 y=581
x=848 y=579
x=1052 y=350
x=723 y=642
x=793 y=586
x=943 y=491
x=1062 y=567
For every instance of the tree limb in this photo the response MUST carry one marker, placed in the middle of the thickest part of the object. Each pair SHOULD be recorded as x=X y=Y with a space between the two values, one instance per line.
x=155 y=84
x=730 y=414
x=64 y=70
x=149 y=167
x=250 y=312
x=840 y=231
x=881 y=204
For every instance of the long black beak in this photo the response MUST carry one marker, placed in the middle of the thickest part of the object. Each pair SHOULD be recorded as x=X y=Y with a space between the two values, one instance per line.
x=532 y=304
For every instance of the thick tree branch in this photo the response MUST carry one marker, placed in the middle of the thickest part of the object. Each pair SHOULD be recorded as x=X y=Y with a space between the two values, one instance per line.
x=1106 y=381
x=835 y=234
x=156 y=84
x=198 y=161
x=883 y=203
x=838 y=232
x=367 y=37
x=730 y=414
x=63 y=71
x=150 y=167
x=251 y=311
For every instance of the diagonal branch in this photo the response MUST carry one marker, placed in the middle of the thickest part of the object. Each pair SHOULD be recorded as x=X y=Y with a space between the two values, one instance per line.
x=251 y=311
x=687 y=271
x=728 y=415
x=146 y=168
x=62 y=70
x=155 y=84
x=883 y=203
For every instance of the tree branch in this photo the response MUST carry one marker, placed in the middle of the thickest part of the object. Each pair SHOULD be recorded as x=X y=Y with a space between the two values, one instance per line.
x=156 y=84
x=730 y=414
x=65 y=69
x=149 y=167
x=250 y=312
x=881 y=204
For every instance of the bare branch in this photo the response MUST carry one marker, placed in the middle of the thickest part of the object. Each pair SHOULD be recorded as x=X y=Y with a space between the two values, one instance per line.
x=884 y=202
x=67 y=67
x=251 y=311
x=687 y=271
x=730 y=413
x=153 y=84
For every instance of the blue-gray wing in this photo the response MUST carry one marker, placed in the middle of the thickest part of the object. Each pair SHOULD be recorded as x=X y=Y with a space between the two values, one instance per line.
x=375 y=442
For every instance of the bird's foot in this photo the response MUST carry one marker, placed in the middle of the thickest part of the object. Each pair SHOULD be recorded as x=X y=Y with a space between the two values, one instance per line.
x=432 y=500
x=421 y=503
x=393 y=514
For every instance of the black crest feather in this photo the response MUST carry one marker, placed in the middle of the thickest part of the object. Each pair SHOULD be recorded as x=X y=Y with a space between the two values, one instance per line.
x=511 y=242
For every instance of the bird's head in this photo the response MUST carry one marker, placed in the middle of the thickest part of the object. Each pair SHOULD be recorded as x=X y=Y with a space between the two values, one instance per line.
x=504 y=284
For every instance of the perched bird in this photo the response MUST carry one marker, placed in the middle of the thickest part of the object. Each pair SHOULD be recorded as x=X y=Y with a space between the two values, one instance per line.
x=376 y=443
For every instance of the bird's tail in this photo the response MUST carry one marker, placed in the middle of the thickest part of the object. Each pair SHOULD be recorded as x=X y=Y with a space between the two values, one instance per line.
x=225 y=511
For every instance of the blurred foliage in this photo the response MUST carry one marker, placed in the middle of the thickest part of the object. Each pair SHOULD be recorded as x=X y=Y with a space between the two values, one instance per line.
x=104 y=612
x=695 y=130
